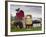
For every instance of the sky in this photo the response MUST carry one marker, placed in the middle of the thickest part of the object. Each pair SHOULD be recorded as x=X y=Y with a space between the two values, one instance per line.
x=35 y=11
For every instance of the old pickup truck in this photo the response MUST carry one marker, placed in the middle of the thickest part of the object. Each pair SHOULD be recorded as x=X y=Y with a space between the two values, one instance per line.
x=28 y=21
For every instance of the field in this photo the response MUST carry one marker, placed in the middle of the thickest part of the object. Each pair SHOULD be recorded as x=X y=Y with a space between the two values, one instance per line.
x=14 y=29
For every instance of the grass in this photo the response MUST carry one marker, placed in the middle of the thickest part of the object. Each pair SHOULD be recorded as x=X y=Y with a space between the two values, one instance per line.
x=14 y=29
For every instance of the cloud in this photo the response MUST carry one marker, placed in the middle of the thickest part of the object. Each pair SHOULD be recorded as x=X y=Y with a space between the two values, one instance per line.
x=35 y=11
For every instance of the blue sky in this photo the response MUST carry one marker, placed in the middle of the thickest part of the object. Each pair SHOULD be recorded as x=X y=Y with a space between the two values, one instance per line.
x=35 y=11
